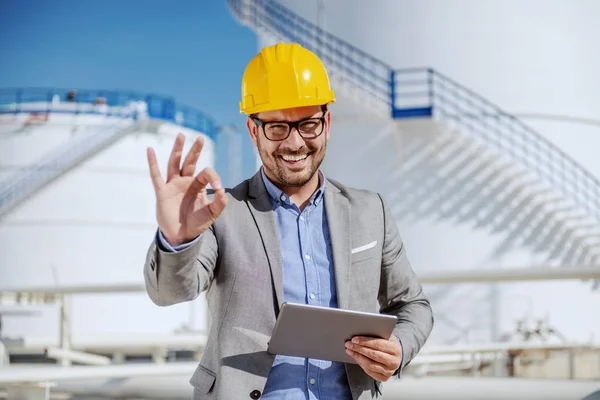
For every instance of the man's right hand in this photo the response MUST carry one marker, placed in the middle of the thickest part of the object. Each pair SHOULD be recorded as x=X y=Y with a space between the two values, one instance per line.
x=183 y=209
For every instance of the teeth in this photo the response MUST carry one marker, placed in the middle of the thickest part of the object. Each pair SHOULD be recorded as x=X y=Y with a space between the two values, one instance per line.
x=294 y=158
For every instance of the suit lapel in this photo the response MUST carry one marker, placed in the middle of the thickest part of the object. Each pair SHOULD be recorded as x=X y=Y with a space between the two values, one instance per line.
x=337 y=210
x=259 y=203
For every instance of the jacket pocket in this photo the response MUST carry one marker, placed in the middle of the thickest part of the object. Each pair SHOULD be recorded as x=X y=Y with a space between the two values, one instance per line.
x=362 y=253
x=203 y=380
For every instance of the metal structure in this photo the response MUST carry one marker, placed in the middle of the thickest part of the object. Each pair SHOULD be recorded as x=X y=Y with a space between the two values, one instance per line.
x=109 y=103
x=103 y=357
x=548 y=200
x=128 y=112
x=78 y=134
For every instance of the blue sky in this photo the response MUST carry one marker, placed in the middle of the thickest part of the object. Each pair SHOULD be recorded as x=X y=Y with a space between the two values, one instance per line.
x=193 y=50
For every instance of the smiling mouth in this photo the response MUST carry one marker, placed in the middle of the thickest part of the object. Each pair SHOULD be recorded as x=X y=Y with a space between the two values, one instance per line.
x=294 y=159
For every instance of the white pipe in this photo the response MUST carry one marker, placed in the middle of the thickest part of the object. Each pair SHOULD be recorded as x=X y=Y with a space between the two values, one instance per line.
x=112 y=343
x=504 y=347
x=459 y=366
x=77 y=356
x=136 y=343
x=83 y=289
x=31 y=374
x=65 y=327
x=453 y=276
x=4 y=359
x=511 y=274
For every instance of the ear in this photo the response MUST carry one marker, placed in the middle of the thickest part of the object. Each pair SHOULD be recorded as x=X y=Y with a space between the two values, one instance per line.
x=252 y=130
x=327 y=125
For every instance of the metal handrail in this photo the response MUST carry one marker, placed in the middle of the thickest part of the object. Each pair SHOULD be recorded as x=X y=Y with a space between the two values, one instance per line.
x=104 y=102
x=452 y=101
x=424 y=92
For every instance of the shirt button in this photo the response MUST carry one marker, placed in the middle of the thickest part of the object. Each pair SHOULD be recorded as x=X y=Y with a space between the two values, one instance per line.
x=301 y=218
x=312 y=381
x=307 y=257
x=282 y=198
x=312 y=296
x=255 y=394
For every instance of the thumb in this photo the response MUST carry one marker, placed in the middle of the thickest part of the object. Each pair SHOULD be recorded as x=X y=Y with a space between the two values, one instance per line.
x=218 y=204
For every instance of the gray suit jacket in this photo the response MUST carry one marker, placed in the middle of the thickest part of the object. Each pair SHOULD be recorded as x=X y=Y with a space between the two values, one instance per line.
x=238 y=262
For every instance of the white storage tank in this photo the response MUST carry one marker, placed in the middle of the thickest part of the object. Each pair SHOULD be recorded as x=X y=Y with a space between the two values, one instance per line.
x=533 y=59
x=93 y=224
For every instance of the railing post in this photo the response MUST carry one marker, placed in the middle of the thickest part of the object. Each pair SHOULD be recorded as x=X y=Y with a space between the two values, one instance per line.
x=168 y=109
x=18 y=100
x=393 y=92
x=430 y=88
x=148 y=100
x=49 y=102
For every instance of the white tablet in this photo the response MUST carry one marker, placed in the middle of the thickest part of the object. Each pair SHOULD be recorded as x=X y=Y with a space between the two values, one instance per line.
x=321 y=332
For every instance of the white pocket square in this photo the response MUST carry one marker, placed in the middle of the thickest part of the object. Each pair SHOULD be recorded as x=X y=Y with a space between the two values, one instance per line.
x=363 y=248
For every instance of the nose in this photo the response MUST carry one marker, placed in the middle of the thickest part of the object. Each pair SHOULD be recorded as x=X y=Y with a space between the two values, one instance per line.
x=294 y=141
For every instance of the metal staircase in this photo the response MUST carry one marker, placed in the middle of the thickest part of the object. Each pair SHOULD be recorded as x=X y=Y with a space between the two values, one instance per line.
x=493 y=169
x=57 y=162
x=127 y=112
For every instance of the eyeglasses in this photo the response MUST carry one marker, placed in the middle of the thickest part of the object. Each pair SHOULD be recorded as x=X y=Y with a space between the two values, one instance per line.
x=308 y=128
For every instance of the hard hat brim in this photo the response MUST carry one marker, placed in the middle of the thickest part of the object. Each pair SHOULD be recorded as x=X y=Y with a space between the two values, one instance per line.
x=271 y=106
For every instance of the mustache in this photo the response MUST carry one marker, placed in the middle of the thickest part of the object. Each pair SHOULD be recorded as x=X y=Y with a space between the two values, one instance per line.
x=289 y=152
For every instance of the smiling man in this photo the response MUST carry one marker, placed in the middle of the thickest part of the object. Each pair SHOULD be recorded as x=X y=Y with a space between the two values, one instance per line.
x=288 y=234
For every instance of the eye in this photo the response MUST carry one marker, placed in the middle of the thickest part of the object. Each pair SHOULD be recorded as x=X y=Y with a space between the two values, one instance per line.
x=310 y=125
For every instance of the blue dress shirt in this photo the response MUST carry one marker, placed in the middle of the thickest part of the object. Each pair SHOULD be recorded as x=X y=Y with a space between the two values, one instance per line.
x=308 y=278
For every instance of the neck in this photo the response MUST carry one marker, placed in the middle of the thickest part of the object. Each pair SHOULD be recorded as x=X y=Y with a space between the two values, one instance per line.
x=299 y=195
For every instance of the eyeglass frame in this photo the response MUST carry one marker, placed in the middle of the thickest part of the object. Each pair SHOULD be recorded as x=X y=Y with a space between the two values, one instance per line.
x=292 y=125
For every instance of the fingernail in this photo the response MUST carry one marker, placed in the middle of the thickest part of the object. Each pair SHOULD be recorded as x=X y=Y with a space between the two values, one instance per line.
x=216 y=185
x=348 y=345
x=355 y=340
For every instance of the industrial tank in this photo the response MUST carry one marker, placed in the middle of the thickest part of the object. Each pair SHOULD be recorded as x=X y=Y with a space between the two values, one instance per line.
x=91 y=224
x=533 y=60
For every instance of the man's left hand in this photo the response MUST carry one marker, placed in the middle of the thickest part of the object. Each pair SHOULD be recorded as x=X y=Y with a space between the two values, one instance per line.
x=379 y=358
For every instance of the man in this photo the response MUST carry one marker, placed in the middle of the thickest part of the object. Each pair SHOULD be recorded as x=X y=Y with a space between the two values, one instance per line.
x=288 y=234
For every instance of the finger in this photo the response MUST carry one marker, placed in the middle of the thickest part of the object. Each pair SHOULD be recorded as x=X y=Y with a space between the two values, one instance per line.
x=189 y=164
x=373 y=369
x=383 y=345
x=155 y=175
x=204 y=177
x=380 y=357
x=218 y=204
x=175 y=158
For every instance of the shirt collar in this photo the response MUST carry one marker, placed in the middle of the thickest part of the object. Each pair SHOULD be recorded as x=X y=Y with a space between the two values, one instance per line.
x=280 y=197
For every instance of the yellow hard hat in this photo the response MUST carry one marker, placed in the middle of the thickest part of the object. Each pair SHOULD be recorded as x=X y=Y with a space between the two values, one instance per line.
x=284 y=76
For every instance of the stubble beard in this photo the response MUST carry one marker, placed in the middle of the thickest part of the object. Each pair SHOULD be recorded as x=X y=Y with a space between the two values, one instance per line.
x=272 y=163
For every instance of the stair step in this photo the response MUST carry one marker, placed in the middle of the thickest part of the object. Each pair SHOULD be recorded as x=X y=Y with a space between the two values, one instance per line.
x=492 y=160
x=418 y=112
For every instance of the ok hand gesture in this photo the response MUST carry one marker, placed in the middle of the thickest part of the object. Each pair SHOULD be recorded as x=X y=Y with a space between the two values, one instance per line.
x=183 y=209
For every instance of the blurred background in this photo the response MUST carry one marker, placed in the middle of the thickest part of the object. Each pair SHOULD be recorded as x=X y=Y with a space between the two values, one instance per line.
x=477 y=121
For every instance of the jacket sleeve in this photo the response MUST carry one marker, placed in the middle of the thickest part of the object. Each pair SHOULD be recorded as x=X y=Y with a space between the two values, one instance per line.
x=173 y=277
x=401 y=294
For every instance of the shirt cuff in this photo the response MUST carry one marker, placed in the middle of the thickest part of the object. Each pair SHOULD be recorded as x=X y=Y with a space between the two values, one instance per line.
x=167 y=247
x=398 y=372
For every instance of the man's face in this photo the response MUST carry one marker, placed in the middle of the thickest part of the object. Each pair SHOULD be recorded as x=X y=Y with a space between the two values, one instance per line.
x=294 y=160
